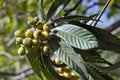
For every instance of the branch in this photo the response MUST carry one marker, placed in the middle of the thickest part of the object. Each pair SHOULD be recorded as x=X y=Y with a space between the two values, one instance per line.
x=18 y=76
x=98 y=3
x=72 y=9
x=113 y=26
x=101 y=13
x=112 y=67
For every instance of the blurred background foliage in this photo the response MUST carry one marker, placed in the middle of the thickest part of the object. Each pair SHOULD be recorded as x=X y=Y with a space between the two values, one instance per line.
x=14 y=14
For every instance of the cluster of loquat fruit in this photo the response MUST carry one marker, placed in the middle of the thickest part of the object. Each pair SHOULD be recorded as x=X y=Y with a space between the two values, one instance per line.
x=36 y=38
x=66 y=71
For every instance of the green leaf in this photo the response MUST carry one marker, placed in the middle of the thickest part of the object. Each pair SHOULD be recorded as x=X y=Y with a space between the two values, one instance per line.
x=56 y=7
x=47 y=2
x=106 y=40
x=32 y=56
x=74 y=17
x=91 y=56
x=49 y=66
x=46 y=67
x=77 y=36
x=41 y=12
x=69 y=57
x=97 y=73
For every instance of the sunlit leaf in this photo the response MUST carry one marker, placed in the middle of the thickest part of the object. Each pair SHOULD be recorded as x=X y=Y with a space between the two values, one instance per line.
x=41 y=12
x=77 y=36
x=69 y=57
x=106 y=40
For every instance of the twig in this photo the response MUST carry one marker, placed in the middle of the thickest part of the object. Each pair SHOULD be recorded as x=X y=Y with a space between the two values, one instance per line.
x=98 y=3
x=113 y=26
x=17 y=76
x=72 y=9
x=99 y=16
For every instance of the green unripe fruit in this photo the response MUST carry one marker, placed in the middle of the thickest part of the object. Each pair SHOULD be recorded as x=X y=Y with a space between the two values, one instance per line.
x=27 y=42
x=57 y=60
x=36 y=19
x=19 y=40
x=29 y=33
x=37 y=34
x=31 y=21
x=46 y=27
x=45 y=35
x=46 y=49
x=36 y=47
x=21 y=51
x=39 y=25
x=35 y=42
x=18 y=33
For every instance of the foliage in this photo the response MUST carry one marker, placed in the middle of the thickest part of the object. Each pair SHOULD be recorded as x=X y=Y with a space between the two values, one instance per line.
x=50 y=33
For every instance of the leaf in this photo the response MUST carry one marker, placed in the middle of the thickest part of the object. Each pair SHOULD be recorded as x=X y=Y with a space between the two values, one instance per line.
x=41 y=12
x=49 y=66
x=32 y=56
x=69 y=57
x=47 y=2
x=74 y=17
x=96 y=73
x=56 y=7
x=43 y=60
x=106 y=40
x=77 y=36
x=91 y=56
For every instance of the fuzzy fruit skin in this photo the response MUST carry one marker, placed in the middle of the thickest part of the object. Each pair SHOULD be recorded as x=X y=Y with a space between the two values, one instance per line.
x=37 y=34
x=19 y=40
x=61 y=74
x=18 y=33
x=29 y=33
x=46 y=49
x=74 y=76
x=57 y=60
x=36 y=19
x=72 y=73
x=27 y=42
x=67 y=75
x=31 y=21
x=39 y=25
x=45 y=35
x=66 y=69
x=21 y=51
x=35 y=42
x=60 y=70
x=46 y=27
